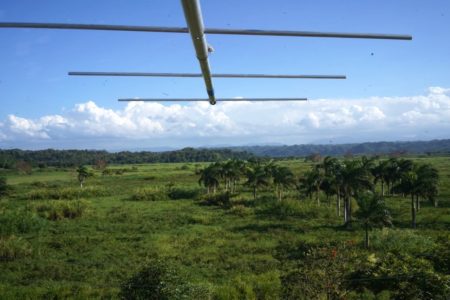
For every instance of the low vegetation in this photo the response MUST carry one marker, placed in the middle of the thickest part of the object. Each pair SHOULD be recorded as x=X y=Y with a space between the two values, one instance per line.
x=358 y=228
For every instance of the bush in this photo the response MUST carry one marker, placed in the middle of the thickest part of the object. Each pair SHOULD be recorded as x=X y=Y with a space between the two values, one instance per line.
x=220 y=199
x=13 y=247
x=19 y=221
x=405 y=276
x=161 y=280
x=145 y=194
x=58 y=210
x=183 y=193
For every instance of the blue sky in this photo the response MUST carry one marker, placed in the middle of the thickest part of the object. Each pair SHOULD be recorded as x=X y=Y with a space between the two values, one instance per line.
x=397 y=89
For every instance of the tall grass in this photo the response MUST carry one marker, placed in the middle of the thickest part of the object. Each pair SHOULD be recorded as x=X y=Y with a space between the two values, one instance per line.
x=67 y=193
x=13 y=247
x=149 y=194
x=294 y=208
x=58 y=210
x=19 y=221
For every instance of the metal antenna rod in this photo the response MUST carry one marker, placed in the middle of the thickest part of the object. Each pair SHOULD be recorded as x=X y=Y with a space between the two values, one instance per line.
x=292 y=33
x=202 y=100
x=217 y=75
x=193 y=15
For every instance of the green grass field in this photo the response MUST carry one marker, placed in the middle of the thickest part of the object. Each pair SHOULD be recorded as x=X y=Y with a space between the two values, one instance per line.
x=88 y=243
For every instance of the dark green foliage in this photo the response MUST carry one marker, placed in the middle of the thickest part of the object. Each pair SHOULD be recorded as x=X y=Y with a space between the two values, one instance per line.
x=71 y=158
x=440 y=255
x=183 y=193
x=406 y=276
x=219 y=199
x=319 y=271
x=419 y=147
x=161 y=280
x=372 y=212
x=3 y=187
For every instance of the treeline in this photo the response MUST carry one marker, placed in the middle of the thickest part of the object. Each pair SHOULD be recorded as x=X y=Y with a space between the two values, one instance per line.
x=344 y=180
x=377 y=148
x=9 y=159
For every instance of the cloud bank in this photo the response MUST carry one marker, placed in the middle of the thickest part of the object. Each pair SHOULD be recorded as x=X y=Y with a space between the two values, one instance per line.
x=147 y=125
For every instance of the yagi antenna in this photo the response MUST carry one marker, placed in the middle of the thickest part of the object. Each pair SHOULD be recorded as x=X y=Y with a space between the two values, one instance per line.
x=196 y=29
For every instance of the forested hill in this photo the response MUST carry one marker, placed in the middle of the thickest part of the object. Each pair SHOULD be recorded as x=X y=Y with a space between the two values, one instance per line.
x=67 y=158
x=421 y=147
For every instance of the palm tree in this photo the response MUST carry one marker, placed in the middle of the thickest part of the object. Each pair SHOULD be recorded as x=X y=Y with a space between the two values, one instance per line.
x=355 y=179
x=379 y=174
x=282 y=178
x=234 y=170
x=408 y=185
x=427 y=181
x=257 y=176
x=83 y=173
x=310 y=183
x=306 y=184
x=209 y=177
x=372 y=212
x=333 y=180
x=391 y=173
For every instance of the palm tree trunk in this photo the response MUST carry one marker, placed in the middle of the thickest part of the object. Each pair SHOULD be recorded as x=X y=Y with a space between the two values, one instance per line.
x=345 y=210
x=367 y=236
x=349 y=214
x=413 y=212
x=382 y=188
x=417 y=203
x=338 y=205
x=317 y=196
x=338 y=201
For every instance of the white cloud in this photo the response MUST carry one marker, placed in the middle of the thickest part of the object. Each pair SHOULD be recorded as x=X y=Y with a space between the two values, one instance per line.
x=154 y=124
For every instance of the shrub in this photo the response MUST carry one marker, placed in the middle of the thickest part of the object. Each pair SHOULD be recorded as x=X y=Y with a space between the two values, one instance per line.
x=19 y=221
x=13 y=247
x=183 y=193
x=58 y=210
x=220 y=199
x=145 y=194
x=161 y=280
x=405 y=276
x=320 y=270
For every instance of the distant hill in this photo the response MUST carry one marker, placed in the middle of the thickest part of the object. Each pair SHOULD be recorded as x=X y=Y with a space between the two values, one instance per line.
x=68 y=158
x=376 y=148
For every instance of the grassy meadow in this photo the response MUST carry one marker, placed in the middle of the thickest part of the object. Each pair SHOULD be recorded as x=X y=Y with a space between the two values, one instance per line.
x=58 y=241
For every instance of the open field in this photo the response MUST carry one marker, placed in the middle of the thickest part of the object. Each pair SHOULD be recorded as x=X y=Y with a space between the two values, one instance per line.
x=59 y=241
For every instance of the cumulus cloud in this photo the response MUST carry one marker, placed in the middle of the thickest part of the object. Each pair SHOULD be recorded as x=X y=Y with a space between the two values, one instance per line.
x=198 y=124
